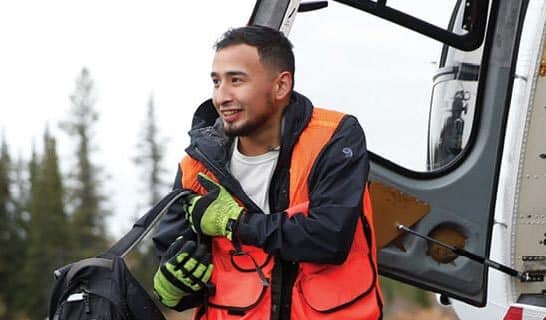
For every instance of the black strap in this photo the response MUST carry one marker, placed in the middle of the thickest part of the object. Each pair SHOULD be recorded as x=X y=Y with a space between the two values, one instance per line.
x=89 y=262
x=144 y=225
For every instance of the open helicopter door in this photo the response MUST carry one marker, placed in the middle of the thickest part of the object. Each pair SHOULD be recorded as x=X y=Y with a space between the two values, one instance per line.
x=452 y=199
x=463 y=162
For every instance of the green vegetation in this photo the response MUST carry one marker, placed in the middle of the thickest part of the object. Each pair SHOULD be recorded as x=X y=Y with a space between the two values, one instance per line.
x=49 y=219
x=49 y=232
x=85 y=198
x=9 y=236
x=151 y=146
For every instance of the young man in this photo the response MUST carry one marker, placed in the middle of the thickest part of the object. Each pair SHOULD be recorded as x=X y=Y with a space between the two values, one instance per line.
x=279 y=224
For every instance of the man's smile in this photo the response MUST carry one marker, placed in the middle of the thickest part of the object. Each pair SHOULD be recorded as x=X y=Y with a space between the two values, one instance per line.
x=230 y=115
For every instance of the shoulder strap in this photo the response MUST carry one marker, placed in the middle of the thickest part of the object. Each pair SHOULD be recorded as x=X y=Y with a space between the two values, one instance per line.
x=89 y=262
x=143 y=225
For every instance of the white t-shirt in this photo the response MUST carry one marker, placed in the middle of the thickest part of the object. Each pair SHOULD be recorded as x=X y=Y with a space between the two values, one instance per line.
x=254 y=174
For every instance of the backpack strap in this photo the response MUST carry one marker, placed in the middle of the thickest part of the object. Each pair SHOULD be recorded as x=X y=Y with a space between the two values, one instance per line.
x=144 y=225
x=89 y=262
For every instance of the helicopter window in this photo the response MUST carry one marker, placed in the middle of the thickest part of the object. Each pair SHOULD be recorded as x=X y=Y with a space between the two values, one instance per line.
x=416 y=112
x=429 y=18
x=424 y=8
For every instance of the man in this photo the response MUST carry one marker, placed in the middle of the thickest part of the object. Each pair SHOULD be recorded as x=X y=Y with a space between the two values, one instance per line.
x=279 y=201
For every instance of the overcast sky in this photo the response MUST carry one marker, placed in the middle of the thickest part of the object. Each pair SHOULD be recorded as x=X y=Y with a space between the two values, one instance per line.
x=132 y=49
x=137 y=48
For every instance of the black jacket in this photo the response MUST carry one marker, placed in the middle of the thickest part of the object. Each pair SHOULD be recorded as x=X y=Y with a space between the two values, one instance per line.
x=336 y=185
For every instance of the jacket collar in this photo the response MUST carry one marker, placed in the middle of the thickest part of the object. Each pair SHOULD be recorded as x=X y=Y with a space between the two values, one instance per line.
x=212 y=147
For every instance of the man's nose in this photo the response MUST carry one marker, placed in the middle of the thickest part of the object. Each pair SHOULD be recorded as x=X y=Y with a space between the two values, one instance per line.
x=222 y=95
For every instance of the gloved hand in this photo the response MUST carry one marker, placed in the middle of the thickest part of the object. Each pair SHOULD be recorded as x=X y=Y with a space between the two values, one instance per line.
x=186 y=271
x=215 y=213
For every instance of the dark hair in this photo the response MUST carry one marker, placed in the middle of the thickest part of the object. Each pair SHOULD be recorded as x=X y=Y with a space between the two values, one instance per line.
x=274 y=49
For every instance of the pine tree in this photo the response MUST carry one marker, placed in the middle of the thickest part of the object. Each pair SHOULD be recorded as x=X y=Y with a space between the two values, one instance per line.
x=53 y=190
x=12 y=233
x=48 y=230
x=88 y=216
x=150 y=156
x=151 y=153
x=19 y=243
x=34 y=233
x=5 y=229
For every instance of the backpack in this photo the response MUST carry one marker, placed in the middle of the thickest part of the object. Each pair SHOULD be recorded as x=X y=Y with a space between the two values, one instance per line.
x=102 y=287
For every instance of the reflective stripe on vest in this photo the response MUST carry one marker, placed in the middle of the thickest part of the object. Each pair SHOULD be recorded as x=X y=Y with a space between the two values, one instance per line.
x=321 y=291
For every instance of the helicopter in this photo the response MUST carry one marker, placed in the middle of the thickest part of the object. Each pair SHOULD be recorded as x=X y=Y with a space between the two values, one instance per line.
x=467 y=218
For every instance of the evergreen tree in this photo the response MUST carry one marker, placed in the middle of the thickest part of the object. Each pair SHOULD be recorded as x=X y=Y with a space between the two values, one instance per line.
x=5 y=229
x=88 y=218
x=19 y=244
x=149 y=159
x=53 y=191
x=21 y=197
x=33 y=170
x=12 y=252
x=150 y=156
x=28 y=274
x=48 y=230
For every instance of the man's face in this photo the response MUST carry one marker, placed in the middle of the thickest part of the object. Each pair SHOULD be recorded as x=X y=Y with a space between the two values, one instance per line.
x=243 y=91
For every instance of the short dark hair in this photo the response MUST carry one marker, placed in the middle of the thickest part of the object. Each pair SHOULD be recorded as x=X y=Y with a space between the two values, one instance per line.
x=274 y=49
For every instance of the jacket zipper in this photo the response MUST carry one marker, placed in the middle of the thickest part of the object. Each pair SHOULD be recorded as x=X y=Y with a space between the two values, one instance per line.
x=208 y=162
x=87 y=305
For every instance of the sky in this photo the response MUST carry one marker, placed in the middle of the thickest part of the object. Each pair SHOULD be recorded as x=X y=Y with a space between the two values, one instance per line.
x=133 y=49
x=136 y=49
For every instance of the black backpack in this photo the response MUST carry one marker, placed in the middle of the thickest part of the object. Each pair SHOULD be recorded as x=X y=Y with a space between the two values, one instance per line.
x=102 y=288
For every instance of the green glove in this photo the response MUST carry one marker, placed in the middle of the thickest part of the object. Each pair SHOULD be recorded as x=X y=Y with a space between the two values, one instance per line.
x=215 y=213
x=187 y=271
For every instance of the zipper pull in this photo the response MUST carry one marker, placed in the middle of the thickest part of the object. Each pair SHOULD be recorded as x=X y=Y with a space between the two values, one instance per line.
x=86 y=303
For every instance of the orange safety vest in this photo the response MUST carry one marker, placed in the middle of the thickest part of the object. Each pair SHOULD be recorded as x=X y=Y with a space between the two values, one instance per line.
x=321 y=291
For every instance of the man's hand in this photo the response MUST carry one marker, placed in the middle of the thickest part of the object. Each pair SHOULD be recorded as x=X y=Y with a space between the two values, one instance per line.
x=187 y=271
x=215 y=213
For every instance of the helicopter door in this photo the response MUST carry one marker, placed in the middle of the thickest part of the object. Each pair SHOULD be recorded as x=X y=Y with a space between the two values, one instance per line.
x=443 y=183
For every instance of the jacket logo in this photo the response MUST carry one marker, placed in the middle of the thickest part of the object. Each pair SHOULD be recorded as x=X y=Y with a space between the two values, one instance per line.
x=348 y=152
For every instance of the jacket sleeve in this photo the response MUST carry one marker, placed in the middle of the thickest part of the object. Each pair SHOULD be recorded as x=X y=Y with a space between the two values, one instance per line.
x=173 y=224
x=336 y=185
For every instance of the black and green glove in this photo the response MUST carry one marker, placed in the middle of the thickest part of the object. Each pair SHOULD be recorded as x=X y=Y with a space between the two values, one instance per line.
x=186 y=271
x=215 y=213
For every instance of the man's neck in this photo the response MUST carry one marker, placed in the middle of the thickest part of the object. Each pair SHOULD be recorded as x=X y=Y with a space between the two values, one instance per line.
x=267 y=139
x=257 y=145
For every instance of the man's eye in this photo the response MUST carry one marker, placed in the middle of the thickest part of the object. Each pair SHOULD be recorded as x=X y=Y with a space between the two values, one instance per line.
x=236 y=80
x=215 y=82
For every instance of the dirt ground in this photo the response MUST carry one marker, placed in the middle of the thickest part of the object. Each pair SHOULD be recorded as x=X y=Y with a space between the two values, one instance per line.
x=435 y=312
x=186 y=315
x=399 y=307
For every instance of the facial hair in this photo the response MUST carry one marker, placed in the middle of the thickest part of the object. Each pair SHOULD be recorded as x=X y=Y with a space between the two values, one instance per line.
x=250 y=126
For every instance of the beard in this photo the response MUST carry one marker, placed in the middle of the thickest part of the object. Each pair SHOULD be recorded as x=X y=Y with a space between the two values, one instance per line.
x=249 y=127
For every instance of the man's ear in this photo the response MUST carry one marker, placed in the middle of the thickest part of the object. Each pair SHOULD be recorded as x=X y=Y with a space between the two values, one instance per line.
x=283 y=85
